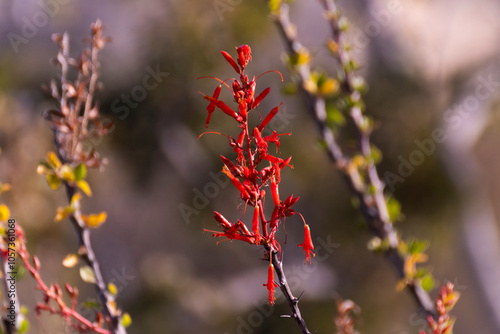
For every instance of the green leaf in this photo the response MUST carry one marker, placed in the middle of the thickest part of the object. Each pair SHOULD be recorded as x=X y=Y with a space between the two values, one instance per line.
x=87 y=274
x=376 y=154
x=23 y=328
x=428 y=282
x=290 y=88
x=92 y=304
x=80 y=172
x=334 y=115
x=126 y=320
x=394 y=209
x=417 y=246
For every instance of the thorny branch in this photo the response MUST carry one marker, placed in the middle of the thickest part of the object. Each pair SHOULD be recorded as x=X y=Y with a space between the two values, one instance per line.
x=373 y=204
x=293 y=302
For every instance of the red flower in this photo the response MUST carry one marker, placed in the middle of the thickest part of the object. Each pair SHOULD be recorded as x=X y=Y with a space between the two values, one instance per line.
x=213 y=101
x=244 y=56
x=271 y=284
x=307 y=244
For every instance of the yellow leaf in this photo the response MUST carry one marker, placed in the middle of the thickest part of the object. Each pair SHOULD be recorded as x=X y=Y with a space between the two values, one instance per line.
x=53 y=181
x=96 y=220
x=60 y=215
x=112 y=289
x=330 y=86
x=401 y=285
x=53 y=160
x=67 y=173
x=75 y=200
x=4 y=212
x=87 y=274
x=70 y=260
x=84 y=186
x=126 y=320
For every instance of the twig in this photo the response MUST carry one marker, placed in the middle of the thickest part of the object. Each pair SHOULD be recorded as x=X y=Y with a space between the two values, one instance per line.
x=293 y=302
x=372 y=204
x=54 y=292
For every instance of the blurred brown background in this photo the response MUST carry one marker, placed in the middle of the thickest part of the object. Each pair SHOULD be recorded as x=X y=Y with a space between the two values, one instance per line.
x=429 y=64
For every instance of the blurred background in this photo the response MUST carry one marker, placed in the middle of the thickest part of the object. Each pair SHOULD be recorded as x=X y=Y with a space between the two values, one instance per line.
x=432 y=69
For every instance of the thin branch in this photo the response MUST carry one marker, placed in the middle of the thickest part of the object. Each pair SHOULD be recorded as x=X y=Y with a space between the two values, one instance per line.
x=54 y=292
x=293 y=302
x=372 y=204
x=87 y=253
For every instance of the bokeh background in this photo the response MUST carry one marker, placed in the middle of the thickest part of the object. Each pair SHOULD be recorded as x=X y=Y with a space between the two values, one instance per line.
x=429 y=65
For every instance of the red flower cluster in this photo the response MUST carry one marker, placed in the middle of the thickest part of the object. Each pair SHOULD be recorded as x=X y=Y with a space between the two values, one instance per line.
x=444 y=303
x=251 y=148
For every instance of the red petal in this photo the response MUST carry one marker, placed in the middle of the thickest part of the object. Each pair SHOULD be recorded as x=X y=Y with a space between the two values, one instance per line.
x=213 y=102
x=222 y=106
x=261 y=96
x=231 y=61
x=269 y=116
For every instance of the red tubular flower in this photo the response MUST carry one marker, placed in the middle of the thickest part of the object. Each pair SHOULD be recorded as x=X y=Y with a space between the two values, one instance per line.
x=275 y=191
x=260 y=97
x=307 y=245
x=255 y=224
x=261 y=143
x=213 y=102
x=244 y=193
x=271 y=284
x=231 y=166
x=230 y=60
x=269 y=117
x=222 y=106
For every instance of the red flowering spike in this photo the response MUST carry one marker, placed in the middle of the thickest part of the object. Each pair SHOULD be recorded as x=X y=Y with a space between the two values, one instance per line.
x=271 y=284
x=307 y=245
x=244 y=56
x=213 y=102
x=231 y=61
x=269 y=117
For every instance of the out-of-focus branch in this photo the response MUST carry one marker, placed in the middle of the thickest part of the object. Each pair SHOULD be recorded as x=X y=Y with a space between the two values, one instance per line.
x=75 y=125
x=54 y=293
x=369 y=191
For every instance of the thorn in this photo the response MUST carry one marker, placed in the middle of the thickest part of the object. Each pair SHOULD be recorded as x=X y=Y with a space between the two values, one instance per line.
x=286 y=316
